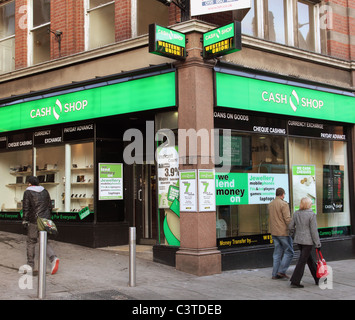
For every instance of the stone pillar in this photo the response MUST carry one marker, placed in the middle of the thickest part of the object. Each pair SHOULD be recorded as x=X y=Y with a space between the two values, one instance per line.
x=198 y=253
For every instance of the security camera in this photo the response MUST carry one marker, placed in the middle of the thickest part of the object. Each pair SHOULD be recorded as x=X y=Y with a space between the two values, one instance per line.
x=166 y=2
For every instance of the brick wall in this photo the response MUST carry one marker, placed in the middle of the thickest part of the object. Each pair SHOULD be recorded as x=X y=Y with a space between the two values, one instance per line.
x=21 y=34
x=68 y=17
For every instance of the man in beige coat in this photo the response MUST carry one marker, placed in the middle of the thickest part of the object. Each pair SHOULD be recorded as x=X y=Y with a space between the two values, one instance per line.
x=279 y=219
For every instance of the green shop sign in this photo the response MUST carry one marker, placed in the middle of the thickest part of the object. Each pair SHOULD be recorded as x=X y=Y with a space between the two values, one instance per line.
x=125 y=97
x=167 y=42
x=259 y=95
x=222 y=41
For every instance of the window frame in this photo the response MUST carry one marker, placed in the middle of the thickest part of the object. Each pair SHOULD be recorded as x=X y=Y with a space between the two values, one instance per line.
x=291 y=22
x=9 y=37
x=31 y=29
x=87 y=11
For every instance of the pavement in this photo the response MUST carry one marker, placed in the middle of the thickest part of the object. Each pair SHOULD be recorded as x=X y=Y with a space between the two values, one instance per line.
x=103 y=274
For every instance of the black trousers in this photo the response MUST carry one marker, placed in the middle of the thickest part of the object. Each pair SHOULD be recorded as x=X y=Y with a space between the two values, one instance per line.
x=305 y=258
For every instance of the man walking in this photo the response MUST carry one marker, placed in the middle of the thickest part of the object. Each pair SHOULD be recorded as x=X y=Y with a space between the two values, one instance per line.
x=37 y=203
x=279 y=218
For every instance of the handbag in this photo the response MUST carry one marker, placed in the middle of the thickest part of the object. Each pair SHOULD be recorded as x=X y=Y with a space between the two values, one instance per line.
x=322 y=268
x=44 y=224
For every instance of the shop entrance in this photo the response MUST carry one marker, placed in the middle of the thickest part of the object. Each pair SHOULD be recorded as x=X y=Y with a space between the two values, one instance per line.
x=145 y=211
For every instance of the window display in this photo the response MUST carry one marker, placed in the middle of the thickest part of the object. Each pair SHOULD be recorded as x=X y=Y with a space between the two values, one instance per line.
x=307 y=159
x=50 y=165
x=328 y=159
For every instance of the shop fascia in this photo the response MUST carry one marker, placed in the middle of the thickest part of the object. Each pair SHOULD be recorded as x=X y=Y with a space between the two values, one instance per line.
x=240 y=92
x=104 y=100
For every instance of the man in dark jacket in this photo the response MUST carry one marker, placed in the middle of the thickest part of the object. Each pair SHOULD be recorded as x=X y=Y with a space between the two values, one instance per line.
x=37 y=202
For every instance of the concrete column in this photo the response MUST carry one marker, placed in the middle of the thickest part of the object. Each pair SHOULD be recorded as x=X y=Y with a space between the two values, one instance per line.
x=198 y=253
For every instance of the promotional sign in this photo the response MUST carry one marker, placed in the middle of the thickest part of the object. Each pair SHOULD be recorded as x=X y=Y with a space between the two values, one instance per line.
x=333 y=188
x=119 y=98
x=206 y=190
x=167 y=42
x=188 y=190
x=199 y=7
x=110 y=181
x=249 y=188
x=222 y=41
x=168 y=175
x=304 y=185
x=258 y=95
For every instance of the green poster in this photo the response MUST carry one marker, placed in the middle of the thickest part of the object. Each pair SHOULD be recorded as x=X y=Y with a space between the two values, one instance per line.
x=304 y=185
x=110 y=181
x=231 y=188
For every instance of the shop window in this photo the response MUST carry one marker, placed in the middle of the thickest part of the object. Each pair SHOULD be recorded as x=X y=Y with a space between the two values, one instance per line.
x=82 y=177
x=258 y=167
x=15 y=168
x=39 y=35
x=7 y=37
x=150 y=11
x=50 y=170
x=326 y=181
x=100 y=23
x=65 y=171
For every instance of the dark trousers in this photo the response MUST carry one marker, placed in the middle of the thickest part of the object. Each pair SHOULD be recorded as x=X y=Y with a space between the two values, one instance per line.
x=32 y=236
x=305 y=258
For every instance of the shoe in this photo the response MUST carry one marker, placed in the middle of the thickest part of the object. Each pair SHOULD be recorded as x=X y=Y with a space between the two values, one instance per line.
x=283 y=275
x=55 y=265
x=294 y=285
x=276 y=277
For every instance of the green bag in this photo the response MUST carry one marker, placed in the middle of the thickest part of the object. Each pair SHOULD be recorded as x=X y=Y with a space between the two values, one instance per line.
x=46 y=225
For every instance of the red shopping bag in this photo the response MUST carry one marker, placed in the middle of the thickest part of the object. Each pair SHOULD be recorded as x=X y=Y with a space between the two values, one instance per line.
x=322 y=268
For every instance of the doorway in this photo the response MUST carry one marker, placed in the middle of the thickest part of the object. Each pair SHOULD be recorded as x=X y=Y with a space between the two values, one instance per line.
x=145 y=210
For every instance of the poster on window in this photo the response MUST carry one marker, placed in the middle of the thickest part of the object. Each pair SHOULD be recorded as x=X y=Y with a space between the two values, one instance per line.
x=333 y=189
x=199 y=7
x=188 y=190
x=206 y=190
x=304 y=185
x=110 y=181
x=168 y=174
x=249 y=188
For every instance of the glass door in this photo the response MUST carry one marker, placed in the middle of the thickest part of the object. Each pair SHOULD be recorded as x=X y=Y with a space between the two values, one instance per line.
x=145 y=216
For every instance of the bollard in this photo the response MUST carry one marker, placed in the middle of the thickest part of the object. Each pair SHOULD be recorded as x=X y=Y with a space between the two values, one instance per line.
x=42 y=264
x=132 y=257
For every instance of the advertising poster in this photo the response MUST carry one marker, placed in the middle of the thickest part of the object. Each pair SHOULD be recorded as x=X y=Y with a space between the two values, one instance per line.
x=188 y=190
x=206 y=190
x=110 y=181
x=249 y=188
x=168 y=174
x=333 y=189
x=304 y=185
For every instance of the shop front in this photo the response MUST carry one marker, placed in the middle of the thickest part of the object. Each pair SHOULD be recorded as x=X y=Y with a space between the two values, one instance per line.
x=74 y=139
x=281 y=133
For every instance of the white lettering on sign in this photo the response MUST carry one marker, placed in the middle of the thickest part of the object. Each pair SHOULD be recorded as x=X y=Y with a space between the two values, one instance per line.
x=292 y=99
x=58 y=109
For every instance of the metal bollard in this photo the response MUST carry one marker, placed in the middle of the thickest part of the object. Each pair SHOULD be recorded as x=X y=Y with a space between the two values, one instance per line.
x=132 y=257
x=42 y=266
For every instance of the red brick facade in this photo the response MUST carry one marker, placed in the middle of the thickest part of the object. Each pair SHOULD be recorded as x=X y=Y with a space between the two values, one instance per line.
x=68 y=16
